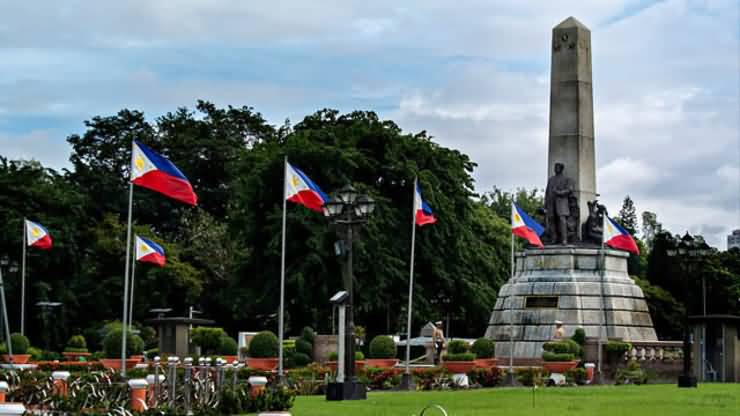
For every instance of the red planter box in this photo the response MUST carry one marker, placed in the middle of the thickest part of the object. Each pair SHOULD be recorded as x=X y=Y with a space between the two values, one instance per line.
x=459 y=367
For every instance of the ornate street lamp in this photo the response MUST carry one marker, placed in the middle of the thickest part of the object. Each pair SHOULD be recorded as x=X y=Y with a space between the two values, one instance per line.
x=346 y=210
x=689 y=251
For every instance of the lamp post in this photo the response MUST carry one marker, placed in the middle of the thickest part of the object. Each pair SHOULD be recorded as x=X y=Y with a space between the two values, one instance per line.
x=688 y=251
x=347 y=210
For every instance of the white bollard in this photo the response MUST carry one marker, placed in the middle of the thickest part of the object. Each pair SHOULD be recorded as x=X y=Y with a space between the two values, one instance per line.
x=12 y=409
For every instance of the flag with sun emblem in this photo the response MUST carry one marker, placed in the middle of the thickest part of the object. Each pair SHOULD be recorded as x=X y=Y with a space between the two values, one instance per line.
x=615 y=236
x=147 y=251
x=37 y=236
x=524 y=226
x=302 y=190
x=154 y=171
x=423 y=214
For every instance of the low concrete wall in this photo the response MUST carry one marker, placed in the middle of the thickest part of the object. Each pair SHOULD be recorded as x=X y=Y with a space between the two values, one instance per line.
x=323 y=345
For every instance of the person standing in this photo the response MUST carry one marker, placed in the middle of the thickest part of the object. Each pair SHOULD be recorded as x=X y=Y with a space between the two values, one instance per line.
x=438 y=338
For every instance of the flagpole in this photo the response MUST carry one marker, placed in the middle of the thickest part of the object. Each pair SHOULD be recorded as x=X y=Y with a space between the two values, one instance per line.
x=23 y=279
x=282 y=276
x=131 y=298
x=602 y=331
x=125 y=278
x=511 y=307
x=411 y=283
x=5 y=315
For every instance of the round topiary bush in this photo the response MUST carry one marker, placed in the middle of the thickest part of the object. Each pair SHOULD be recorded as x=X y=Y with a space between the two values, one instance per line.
x=333 y=356
x=112 y=344
x=19 y=343
x=208 y=339
x=228 y=346
x=484 y=348
x=308 y=334
x=303 y=347
x=264 y=345
x=382 y=346
x=359 y=356
x=457 y=347
x=76 y=343
x=579 y=336
x=301 y=359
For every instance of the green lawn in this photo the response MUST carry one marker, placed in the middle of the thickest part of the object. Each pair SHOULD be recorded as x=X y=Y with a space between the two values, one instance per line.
x=651 y=400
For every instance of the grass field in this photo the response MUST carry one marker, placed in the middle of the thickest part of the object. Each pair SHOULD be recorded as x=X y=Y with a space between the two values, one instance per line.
x=650 y=400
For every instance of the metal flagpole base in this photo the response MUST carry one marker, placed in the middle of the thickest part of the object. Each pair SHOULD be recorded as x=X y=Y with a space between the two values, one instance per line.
x=407 y=383
x=510 y=379
x=348 y=390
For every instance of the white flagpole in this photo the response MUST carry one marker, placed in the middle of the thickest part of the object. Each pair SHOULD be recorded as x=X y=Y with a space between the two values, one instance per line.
x=5 y=316
x=125 y=278
x=603 y=333
x=511 y=304
x=282 y=276
x=23 y=279
x=131 y=298
x=411 y=283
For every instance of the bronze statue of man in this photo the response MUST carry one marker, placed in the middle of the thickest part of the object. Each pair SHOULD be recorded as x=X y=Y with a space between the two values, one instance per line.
x=559 y=189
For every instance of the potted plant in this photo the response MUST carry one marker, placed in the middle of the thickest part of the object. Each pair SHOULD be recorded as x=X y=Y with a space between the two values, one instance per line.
x=263 y=351
x=560 y=356
x=458 y=359
x=484 y=350
x=359 y=361
x=382 y=352
x=76 y=348
x=20 y=345
x=112 y=349
x=228 y=349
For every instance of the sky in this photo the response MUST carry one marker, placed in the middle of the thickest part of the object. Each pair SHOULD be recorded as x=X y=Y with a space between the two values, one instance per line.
x=473 y=74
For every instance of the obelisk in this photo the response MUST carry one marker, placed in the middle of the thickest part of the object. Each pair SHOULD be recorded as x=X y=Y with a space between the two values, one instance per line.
x=572 y=110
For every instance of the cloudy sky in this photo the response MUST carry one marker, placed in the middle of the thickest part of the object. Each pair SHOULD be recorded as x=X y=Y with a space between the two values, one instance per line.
x=474 y=74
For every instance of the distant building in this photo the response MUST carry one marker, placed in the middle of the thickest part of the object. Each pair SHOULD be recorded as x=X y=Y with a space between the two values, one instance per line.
x=733 y=240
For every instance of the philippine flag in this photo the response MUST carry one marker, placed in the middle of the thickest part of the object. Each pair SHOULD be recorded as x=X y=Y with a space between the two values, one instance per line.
x=302 y=190
x=422 y=210
x=616 y=236
x=153 y=171
x=147 y=251
x=37 y=236
x=524 y=226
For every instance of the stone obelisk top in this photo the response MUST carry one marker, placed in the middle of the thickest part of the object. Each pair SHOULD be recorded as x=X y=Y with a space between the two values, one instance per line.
x=571 y=110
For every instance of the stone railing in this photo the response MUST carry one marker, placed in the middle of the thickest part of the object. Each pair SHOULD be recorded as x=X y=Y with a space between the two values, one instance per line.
x=655 y=350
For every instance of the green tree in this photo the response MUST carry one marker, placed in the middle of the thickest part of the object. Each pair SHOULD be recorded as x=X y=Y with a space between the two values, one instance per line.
x=627 y=216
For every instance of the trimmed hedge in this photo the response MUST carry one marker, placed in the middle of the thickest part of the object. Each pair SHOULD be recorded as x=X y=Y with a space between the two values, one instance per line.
x=554 y=356
x=19 y=343
x=112 y=344
x=382 y=346
x=303 y=346
x=77 y=342
x=228 y=346
x=579 y=336
x=463 y=356
x=457 y=347
x=484 y=348
x=264 y=345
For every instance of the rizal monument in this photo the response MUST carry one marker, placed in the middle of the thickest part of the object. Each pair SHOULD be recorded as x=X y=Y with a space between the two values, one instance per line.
x=572 y=280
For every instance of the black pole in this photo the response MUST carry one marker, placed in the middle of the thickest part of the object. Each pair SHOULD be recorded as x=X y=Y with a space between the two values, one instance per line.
x=686 y=379
x=349 y=334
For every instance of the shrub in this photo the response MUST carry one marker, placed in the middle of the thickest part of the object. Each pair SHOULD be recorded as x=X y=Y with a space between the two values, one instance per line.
x=302 y=346
x=19 y=343
x=300 y=359
x=485 y=377
x=382 y=346
x=484 y=348
x=633 y=374
x=308 y=334
x=576 y=375
x=463 y=356
x=566 y=346
x=264 y=345
x=617 y=347
x=530 y=376
x=557 y=356
x=228 y=346
x=77 y=341
x=359 y=356
x=579 y=336
x=112 y=344
x=457 y=347
x=333 y=356
x=208 y=339
x=3 y=348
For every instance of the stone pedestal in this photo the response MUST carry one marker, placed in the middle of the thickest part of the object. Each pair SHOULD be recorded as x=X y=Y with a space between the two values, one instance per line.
x=565 y=284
